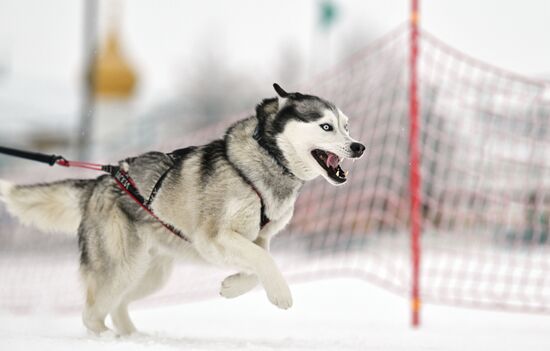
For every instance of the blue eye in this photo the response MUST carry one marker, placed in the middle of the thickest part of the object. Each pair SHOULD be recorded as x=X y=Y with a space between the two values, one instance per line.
x=326 y=127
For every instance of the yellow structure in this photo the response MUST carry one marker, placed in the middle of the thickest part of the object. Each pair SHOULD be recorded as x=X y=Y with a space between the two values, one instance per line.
x=112 y=74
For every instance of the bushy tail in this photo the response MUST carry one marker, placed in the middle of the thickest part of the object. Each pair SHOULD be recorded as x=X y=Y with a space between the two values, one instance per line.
x=51 y=207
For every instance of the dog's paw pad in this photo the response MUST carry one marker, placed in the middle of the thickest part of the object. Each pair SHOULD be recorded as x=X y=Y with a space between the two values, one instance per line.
x=238 y=284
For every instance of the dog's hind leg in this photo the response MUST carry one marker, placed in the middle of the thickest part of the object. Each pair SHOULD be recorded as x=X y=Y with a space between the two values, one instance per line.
x=121 y=319
x=153 y=279
x=104 y=291
x=96 y=308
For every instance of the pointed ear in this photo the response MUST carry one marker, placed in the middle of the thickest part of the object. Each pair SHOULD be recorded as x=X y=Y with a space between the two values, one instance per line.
x=280 y=91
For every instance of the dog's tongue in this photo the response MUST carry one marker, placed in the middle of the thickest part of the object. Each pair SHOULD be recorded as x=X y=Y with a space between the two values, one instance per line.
x=332 y=160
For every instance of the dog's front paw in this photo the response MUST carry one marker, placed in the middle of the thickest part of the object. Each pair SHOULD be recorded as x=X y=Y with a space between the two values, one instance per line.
x=278 y=293
x=238 y=284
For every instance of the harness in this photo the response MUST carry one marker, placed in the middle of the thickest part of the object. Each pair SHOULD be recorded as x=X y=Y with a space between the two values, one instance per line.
x=263 y=217
x=127 y=184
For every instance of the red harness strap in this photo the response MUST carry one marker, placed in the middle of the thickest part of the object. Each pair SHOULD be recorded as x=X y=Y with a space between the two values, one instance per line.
x=125 y=182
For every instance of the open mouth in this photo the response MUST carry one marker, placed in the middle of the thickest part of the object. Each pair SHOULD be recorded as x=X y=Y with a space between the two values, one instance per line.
x=330 y=163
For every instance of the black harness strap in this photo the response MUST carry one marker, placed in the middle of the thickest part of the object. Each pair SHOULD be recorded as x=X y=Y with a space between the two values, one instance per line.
x=127 y=184
x=157 y=186
x=124 y=181
x=182 y=153
x=175 y=156
x=264 y=220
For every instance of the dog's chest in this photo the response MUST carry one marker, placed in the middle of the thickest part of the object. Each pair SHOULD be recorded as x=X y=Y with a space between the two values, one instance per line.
x=277 y=209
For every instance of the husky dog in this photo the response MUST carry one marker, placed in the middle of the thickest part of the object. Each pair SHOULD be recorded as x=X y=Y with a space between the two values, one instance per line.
x=228 y=197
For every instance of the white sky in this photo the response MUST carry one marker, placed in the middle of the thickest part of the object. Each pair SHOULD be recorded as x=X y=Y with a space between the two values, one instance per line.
x=41 y=40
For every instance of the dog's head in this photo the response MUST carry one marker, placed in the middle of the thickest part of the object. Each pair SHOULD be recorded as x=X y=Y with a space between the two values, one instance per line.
x=310 y=134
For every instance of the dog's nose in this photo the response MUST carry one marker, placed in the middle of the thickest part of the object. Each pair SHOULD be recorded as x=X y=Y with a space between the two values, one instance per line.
x=357 y=149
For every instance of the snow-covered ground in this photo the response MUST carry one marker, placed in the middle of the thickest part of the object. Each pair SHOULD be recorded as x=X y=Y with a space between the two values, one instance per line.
x=339 y=314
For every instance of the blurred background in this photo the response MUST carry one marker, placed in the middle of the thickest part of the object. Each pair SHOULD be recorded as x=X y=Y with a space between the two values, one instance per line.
x=101 y=80
x=180 y=65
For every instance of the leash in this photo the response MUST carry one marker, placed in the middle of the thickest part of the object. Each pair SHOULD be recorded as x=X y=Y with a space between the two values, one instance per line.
x=122 y=178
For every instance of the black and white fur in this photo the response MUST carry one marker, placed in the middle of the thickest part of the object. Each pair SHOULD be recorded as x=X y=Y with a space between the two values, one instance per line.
x=126 y=255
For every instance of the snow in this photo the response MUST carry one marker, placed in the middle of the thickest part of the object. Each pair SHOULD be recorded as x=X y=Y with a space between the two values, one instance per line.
x=338 y=314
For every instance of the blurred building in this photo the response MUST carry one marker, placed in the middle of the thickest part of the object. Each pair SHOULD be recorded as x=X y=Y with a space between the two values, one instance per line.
x=113 y=82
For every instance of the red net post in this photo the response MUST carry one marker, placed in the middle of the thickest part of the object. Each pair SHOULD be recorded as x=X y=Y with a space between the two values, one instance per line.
x=415 y=217
x=481 y=205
